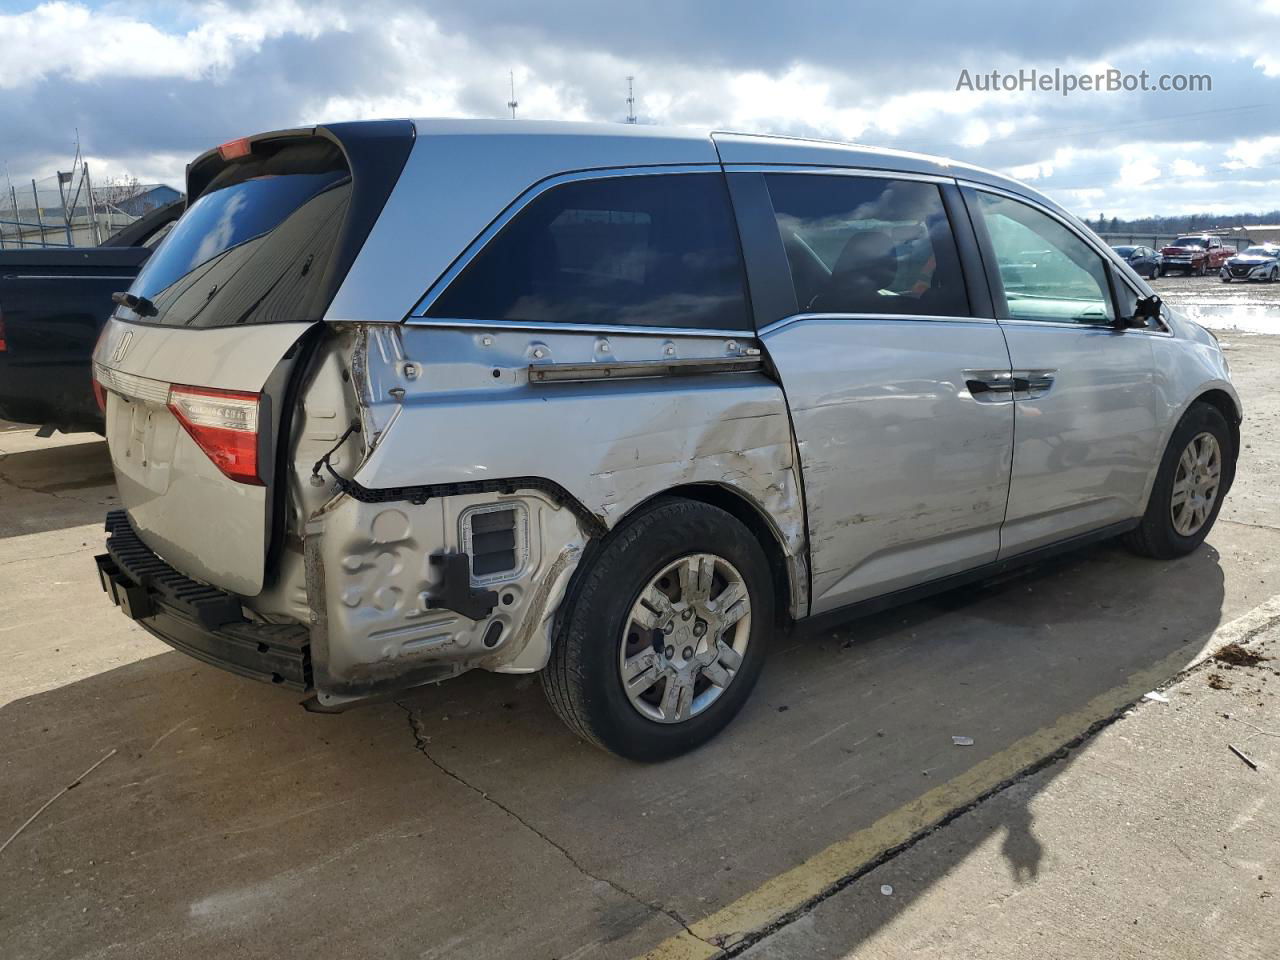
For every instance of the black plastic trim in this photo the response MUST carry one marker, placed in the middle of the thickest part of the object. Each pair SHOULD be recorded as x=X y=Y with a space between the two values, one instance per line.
x=197 y=619
x=455 y=593
x=773 y=295
x=420 y=494
x=977 y=286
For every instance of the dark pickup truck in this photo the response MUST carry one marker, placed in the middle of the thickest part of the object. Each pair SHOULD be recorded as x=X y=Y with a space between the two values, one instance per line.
x=53 y=303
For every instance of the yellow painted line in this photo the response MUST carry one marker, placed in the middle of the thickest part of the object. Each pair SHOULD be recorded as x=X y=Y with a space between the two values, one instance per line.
x=790 y=890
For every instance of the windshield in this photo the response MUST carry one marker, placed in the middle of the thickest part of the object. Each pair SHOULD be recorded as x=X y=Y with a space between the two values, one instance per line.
x=1124 y=251
x=1258 y=252
x=1188 y=242
x=250 y=252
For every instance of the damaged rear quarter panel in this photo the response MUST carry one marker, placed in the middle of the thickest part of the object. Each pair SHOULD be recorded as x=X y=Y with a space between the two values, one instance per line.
x=454 y=405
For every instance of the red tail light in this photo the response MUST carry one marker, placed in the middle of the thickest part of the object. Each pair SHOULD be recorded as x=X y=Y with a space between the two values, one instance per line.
x=4 y=347
x=99 y=391
x=224 y=424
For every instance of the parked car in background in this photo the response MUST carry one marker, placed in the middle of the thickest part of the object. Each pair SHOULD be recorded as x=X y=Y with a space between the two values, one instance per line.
x=1253 y=263
x=1144 y=260
x=53 y=303
x=1196 y=254
x=615 y=404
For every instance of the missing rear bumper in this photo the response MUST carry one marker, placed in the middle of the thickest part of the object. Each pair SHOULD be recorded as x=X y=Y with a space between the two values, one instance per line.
x=197 y=619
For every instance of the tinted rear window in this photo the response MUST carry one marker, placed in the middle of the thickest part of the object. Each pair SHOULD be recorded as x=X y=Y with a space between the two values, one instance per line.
x=253 y=251
x=659 y=250
x=868 y=245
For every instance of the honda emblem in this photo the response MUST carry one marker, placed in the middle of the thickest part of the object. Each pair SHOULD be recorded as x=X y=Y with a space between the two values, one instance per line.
x=122 y=347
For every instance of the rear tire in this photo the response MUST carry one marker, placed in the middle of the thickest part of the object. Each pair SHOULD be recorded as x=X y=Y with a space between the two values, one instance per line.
x=599 y=634
x=1158 y=536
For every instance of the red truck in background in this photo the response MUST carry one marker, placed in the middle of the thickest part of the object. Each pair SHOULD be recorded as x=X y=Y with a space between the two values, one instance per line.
x=1194 y=254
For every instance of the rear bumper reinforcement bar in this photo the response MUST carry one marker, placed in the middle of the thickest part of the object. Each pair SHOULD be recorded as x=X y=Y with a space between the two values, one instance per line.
x=195 y=618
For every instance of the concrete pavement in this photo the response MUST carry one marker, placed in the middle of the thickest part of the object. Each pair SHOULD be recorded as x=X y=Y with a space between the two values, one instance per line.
x=464 y=821
x=1153 y=839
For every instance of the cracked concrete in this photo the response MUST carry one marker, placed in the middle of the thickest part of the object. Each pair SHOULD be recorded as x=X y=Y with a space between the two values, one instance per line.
x=422 y=742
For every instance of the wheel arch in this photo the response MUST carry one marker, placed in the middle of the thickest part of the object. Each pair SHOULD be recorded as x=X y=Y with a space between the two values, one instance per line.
x=788 y=571
x=1226 y=405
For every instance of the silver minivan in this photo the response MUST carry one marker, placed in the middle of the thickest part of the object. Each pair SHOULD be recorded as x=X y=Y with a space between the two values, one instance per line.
x=615 y=404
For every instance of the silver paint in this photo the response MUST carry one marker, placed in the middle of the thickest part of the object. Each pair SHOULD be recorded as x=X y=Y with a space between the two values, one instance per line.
x=906 y=472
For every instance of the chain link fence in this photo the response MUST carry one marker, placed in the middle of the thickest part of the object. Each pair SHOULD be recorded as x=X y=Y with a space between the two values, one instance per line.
x=64 y=210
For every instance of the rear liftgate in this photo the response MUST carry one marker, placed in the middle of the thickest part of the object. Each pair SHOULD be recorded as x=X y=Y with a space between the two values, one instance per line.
x=200 y=371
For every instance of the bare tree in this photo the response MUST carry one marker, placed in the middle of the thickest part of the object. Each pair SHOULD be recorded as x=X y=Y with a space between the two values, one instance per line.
x=118 y=190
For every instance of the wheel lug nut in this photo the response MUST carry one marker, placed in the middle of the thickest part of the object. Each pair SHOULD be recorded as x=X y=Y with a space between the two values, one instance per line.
x=699 y=628
x=668 y=628
x=687 y=614
x=687 y=653
x=669 y=652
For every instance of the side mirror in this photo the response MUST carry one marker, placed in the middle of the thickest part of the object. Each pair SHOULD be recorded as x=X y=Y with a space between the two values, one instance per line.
x=1144 y=311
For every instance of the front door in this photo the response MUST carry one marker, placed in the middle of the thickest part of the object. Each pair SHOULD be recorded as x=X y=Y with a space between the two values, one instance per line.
x=1085 y=427
x=899 y=395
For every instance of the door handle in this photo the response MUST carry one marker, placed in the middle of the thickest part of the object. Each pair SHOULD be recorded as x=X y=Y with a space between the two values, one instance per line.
x=1031 y=384
x=1002 y=386
x=989 y=386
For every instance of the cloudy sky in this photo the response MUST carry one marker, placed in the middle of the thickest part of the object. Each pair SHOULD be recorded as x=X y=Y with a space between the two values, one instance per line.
x=149 y=85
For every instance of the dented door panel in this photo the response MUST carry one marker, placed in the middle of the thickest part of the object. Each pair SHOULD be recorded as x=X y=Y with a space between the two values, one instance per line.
x=906 y=472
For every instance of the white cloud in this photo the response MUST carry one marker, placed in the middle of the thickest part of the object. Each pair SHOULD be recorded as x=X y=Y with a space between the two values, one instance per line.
x=1248 y=154
x=69 y=39
x=149 y=85
x=1137 y=171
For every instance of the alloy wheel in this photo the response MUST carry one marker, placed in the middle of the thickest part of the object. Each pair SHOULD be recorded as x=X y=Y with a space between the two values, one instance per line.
x=1195 y=484
x=685 y=637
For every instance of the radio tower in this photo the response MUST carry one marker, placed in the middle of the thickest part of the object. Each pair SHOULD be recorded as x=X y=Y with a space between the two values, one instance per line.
x=513 y=103
x=631 y=100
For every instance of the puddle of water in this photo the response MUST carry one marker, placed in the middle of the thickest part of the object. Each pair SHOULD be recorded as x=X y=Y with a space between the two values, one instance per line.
x=1234 y=318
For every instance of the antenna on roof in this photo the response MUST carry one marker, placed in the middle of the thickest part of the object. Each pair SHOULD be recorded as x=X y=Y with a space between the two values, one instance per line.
x=513 y=102
x=631 y=100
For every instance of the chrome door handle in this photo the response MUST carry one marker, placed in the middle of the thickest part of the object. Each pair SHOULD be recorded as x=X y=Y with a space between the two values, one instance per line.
x=1031 y=384
x=989 y=386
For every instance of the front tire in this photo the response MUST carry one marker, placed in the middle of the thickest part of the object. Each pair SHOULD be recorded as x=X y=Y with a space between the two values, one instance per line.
x=1195 y=472
x=665 y=634
x=1155 y=272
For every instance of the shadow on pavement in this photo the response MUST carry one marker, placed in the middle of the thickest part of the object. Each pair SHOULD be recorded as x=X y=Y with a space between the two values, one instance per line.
x=232 y=822
x=63 y=484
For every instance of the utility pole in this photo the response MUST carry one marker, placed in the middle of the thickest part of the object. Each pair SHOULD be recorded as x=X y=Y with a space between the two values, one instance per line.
x=35 y=197
x=631 y=100
x=17 y=221
x=93 y=211
x=64 y=187
x=513 y=103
